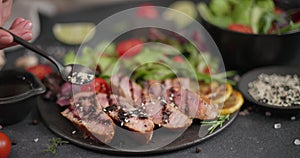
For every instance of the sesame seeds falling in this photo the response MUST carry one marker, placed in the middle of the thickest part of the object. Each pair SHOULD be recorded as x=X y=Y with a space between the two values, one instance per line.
x=278 y=90
x=80 y=78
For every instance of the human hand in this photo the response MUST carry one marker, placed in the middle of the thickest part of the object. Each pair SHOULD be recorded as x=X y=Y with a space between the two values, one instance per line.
x=19 y=27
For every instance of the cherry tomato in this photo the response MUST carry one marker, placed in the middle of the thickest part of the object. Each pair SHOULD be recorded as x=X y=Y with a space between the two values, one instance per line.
x=129 y=48
x=278 y=10
x=178 y=59
x=207 y=70
x=5 y=145
x=240 y=28
x=40 y=70
x=99 y=86
x=147 y=11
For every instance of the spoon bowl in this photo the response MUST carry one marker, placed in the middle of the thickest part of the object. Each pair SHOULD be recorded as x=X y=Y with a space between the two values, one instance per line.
x=77 y=74
x=74 y=73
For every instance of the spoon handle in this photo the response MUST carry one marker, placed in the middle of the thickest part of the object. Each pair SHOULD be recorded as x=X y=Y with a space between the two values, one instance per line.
x=35 y=49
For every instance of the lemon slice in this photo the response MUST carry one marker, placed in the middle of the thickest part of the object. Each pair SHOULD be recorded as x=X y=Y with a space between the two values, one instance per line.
x=186 y=7
x=74 y=33
x=222 y=93
x=233 y=103
x=217 y=93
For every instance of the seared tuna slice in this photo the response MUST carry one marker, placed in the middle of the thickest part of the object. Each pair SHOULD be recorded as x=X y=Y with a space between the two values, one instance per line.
x=177 y=94
x=122 y=111
x=192 y=104
x=89 y=117
x=123 y=86
x=163 y=114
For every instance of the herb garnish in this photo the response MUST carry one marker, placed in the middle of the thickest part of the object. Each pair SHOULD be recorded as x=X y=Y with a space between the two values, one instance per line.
x=54 y=143
x=216 y=123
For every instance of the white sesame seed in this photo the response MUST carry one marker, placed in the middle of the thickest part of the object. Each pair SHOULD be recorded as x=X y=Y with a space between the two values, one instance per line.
x=73 y=132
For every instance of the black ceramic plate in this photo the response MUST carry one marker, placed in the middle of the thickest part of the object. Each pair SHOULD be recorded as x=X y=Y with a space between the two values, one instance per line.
x=50 y=113
x=252 y=75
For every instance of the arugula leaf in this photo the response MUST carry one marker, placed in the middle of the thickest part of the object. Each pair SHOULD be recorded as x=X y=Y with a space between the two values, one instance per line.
x=290 y=27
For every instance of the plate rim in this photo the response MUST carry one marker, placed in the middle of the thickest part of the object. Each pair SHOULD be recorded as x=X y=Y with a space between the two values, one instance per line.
x=112 y=151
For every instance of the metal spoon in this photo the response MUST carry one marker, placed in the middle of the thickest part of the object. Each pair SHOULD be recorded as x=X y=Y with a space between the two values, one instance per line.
x=74 y=73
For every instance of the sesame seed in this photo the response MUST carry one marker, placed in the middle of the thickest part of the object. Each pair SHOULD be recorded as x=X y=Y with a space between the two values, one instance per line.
x=73 y=132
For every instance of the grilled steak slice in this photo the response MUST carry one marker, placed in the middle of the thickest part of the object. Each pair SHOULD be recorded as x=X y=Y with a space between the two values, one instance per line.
x=121 y=110
x=85 y=113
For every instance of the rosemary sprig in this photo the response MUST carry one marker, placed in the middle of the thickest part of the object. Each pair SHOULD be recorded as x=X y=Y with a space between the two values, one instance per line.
x=54 y=143
x=216 y=123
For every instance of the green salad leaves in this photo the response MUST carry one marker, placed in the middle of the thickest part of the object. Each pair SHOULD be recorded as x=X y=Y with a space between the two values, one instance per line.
x=260 y=15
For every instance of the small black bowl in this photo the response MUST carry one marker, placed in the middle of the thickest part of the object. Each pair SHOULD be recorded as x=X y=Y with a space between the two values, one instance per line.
x=243 y=52
x=18 y=91
x=252 y=75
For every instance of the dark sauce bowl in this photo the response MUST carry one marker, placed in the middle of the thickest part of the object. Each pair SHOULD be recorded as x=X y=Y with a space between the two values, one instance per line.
x=18 y=92
x=241 y=51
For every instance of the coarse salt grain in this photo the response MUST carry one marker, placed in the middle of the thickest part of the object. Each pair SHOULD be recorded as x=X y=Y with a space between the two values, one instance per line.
x=297 y=141
x=293 y=118
x=277 y=125
x=268 y=113
x=36 y=140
